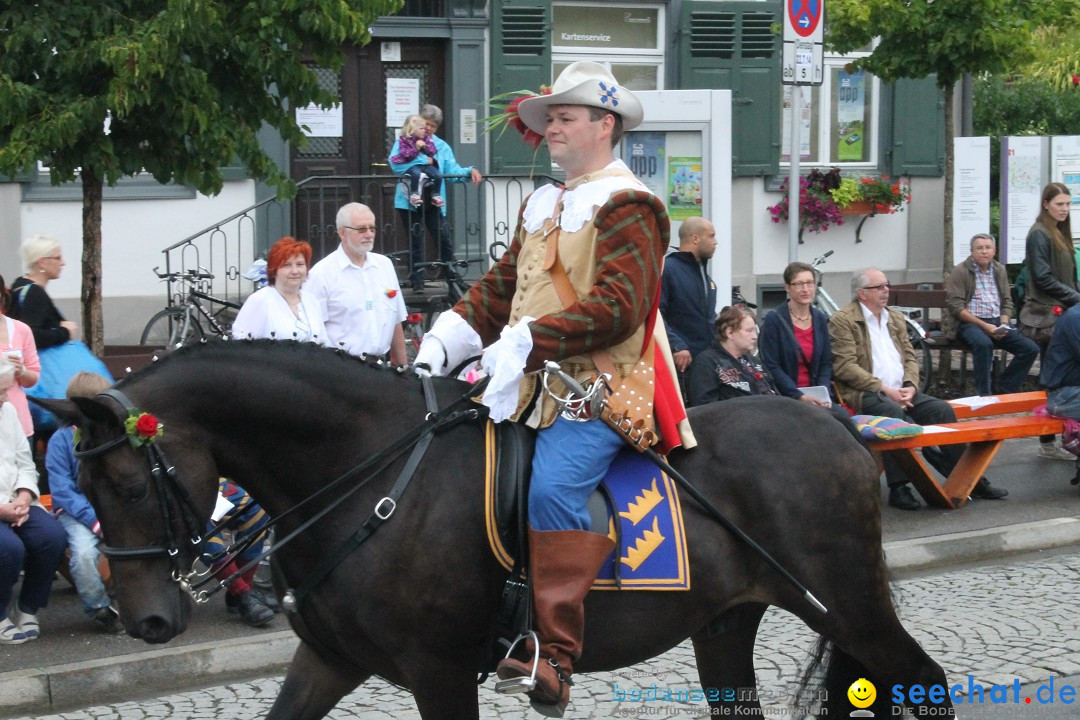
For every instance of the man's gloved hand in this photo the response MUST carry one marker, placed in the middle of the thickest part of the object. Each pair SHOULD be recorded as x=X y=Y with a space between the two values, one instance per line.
x=504 y=362
x=430 y=358
x=449 y=341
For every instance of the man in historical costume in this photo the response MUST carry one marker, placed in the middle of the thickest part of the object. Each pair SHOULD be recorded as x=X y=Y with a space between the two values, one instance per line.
x=579 y=285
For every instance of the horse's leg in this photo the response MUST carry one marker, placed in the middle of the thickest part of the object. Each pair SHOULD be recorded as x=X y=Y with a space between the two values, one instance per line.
x=313 y=686
x=724 y=650
x=891 y=659
x=870 y=642
x=447 y=694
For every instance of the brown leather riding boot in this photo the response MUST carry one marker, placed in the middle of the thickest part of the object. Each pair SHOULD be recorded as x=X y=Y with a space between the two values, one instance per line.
x=563 y=565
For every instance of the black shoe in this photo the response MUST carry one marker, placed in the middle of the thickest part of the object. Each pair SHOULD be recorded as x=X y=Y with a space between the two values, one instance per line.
x=253 y=611
x=983 y=490
x=268 y=599
x=108 y=618
x=232 y=603
x=901 y=497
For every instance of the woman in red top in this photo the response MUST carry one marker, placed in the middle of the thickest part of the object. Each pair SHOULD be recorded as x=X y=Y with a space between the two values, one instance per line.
x=795 y=339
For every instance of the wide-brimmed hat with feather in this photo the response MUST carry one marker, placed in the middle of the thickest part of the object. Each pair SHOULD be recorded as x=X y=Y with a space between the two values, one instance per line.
x=583 y=83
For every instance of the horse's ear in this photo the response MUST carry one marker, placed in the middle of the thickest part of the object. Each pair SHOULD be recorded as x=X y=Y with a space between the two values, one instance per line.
x=95 y=411
x=63 y=409
x=80 y=411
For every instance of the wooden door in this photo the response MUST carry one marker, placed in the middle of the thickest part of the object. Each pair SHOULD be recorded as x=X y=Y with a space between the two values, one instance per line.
x=364 y=146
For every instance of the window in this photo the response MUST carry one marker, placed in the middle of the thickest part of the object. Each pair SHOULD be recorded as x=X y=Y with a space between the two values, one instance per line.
x=626 y=38
x=838 y=124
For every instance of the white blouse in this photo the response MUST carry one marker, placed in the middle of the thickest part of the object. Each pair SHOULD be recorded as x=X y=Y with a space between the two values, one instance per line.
x=266 y=314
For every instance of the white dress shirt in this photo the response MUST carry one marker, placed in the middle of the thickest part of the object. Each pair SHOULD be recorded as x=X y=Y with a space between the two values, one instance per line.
x=360 y=306
x=266 y=314
x=886 y=363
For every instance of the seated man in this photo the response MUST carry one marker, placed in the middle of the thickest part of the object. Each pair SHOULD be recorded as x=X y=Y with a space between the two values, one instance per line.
x=979 y=306
x=1061 y=367
x=876 y=371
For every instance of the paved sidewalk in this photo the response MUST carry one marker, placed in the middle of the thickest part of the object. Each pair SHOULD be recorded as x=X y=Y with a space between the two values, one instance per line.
x=73 y=665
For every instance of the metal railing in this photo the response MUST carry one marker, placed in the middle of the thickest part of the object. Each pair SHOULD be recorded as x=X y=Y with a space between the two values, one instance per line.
x=477 y=215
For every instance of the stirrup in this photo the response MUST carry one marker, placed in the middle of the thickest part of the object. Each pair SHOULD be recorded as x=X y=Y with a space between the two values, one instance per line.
x=522 y=683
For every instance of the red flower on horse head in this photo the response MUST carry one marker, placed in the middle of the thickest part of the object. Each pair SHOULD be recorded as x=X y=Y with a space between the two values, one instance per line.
x=146 y=425
x=142 y=428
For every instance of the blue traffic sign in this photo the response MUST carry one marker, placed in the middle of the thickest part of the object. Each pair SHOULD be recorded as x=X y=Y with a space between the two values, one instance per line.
x=805 y=15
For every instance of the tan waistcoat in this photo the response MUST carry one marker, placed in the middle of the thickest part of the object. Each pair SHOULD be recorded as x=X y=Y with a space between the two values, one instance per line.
x=535 y=296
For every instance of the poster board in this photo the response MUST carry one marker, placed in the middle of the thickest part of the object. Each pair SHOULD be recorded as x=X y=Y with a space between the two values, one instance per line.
x=1024 y=168
x=971 y=192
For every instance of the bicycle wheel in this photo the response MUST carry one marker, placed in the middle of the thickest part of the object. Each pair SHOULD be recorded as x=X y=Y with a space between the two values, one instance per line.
x=171 y=328
x=926 y=361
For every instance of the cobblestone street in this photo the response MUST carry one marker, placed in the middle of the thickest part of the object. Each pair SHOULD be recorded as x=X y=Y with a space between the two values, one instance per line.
x=998 y=623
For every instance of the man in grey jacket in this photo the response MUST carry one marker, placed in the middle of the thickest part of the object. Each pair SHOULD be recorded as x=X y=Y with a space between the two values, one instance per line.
x=978 y=309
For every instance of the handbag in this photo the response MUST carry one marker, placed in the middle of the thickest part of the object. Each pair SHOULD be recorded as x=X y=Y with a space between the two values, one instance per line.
x=1037 y=320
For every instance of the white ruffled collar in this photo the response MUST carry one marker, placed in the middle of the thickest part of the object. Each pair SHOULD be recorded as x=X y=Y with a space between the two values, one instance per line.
x=581 y=197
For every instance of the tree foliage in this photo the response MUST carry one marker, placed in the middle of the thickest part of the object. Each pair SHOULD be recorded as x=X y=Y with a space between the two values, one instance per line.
x=944 y=38
x=102 y=89
x=1056 y=57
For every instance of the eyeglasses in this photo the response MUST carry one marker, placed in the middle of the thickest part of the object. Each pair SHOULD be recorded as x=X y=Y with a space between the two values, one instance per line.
x=882 y=286
x=362 y=228
x=803 y=284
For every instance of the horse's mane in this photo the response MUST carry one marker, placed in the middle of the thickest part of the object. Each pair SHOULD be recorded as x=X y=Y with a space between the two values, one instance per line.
x=290 y=353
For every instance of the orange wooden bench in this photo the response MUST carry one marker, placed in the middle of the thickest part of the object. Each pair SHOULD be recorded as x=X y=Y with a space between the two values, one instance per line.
x=1005 y=405
x=983 y=436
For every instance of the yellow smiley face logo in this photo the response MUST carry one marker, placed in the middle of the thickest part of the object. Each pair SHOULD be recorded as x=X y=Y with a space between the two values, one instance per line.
x=862 y=693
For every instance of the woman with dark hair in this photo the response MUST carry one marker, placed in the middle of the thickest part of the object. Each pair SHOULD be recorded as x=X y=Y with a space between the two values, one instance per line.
x=1051 y=284
x=281 y=311
x=795 y=338
x=729 y=369
x=18 y=348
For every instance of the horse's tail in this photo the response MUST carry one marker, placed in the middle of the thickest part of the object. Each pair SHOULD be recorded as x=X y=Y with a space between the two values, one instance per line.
x=823 y=687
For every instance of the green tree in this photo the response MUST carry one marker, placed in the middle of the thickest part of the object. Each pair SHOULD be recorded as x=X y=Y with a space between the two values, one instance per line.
x=103 y=89
x=946 y=38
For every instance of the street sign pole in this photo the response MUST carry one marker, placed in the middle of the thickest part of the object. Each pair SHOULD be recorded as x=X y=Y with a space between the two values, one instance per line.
x=793 y=176
x=803 y=64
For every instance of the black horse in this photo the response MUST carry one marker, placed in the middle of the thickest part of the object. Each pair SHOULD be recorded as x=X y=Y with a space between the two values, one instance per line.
x=416 y=604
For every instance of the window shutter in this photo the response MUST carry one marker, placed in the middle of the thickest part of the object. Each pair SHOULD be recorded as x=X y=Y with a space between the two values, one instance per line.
x=918 y=128
x=521 y=57
x=732 y=46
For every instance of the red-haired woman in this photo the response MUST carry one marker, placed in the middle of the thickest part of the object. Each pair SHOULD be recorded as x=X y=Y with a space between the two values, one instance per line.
x=281 y=311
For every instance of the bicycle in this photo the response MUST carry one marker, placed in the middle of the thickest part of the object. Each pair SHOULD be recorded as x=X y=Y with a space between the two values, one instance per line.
x=920 y=339
x=178 y=325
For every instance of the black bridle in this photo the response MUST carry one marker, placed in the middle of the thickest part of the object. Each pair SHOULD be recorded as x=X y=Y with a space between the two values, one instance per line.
x=172 y=497
x=167 y=486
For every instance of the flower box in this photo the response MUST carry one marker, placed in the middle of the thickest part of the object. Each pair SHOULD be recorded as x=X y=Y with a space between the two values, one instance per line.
x=865 y=207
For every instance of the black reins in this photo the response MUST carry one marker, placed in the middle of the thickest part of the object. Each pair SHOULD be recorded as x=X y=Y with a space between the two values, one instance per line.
x=165 y=479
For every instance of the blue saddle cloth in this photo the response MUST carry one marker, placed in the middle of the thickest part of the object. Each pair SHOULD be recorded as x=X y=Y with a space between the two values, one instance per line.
x=652 y=539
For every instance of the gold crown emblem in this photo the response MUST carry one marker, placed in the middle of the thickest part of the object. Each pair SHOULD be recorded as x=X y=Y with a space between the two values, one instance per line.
x=643 y=546
x=643 y=504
